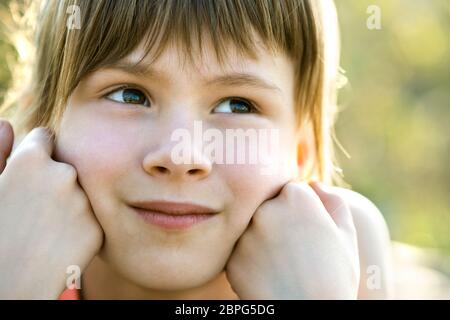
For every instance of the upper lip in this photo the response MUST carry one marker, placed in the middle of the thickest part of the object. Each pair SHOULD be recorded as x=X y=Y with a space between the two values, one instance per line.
x=173 y=208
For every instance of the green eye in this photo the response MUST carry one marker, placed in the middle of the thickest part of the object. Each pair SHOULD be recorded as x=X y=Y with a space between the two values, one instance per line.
x=129 y=95
x=234 y=105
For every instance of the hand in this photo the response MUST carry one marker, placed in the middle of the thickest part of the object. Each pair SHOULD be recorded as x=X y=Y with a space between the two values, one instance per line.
x=299 y=245
x=46 y=221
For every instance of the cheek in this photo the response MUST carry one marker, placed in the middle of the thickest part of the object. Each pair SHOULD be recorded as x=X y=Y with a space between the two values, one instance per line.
x=250 y=188
x=252 y=184
x=99 y=153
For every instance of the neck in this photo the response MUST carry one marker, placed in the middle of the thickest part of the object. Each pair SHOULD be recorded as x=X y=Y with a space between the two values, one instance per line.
x=101 y=282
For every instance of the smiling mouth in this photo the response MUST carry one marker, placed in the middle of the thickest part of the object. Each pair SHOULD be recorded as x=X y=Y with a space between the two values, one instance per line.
x=173 y=215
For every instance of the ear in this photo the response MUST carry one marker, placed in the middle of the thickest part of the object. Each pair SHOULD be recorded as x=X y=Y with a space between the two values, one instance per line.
x=306 y=151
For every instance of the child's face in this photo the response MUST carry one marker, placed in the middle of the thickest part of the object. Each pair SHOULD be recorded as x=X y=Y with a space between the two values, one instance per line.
x=119 y=148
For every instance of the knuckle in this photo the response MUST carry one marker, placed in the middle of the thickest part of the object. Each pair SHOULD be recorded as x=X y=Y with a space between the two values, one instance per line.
x=28 y=158
x=337 y=198
x=32 y=152
x=265 y=218
x=334 y=192
x=67 y=173
x=295 y=190
x=290 y=189
x=297 y=195
x=339 y=204
x=260 y=216
x=343 y=209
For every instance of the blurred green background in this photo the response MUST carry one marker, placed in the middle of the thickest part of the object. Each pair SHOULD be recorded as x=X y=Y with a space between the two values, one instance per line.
x=394 y=113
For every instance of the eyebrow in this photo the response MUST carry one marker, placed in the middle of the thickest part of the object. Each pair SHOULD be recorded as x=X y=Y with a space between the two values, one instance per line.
x=231 y=79
x=243 y=79
x=140 y=69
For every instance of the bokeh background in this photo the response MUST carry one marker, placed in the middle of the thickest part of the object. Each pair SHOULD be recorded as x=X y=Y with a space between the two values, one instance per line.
x=395 y=114
x=394 y=124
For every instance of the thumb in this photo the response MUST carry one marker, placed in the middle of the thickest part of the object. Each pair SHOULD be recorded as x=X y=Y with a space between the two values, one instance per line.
x=6 y=142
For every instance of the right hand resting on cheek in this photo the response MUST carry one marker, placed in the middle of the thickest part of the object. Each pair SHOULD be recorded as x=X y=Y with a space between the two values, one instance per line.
x=46 y=220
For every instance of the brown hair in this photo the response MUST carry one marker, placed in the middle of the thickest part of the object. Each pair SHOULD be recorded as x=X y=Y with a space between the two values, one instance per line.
x=110 y=29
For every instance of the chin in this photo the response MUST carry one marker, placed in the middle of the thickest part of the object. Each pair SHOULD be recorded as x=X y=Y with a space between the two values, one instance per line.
x=175 y=279
x=166 y=273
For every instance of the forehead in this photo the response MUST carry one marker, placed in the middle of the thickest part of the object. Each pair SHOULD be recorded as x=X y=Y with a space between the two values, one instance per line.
x=204 y=63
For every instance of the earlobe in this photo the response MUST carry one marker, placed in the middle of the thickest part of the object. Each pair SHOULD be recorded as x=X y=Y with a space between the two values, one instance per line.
x=305 y=153
x=300 y=155
x=302 y=162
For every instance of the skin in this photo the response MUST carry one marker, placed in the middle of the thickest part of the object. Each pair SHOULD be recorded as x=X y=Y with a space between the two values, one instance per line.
x=43 y=211
x=250 y=249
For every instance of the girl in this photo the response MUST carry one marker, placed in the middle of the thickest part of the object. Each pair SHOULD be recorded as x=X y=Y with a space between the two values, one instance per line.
x=92 y=185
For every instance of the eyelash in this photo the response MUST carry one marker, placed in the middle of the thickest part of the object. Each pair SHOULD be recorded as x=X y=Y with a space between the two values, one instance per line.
x=253 y=108
x=127 y=87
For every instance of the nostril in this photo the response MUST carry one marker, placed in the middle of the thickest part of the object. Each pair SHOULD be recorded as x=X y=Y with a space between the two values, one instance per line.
x=194 y=171
x=161 y=169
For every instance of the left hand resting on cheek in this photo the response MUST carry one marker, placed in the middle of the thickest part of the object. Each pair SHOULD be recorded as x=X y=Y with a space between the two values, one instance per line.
x=300 y=245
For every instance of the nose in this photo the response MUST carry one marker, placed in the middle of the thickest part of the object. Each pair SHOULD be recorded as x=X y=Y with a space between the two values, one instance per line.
x=159 y=164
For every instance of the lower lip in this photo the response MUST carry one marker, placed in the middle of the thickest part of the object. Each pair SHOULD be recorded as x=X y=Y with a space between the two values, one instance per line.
x=175 y=222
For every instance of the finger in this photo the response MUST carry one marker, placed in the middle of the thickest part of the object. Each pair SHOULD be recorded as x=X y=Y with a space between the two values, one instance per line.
x=301 y=192
x=40 y=137
x=334 y=203
x=6 y=142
